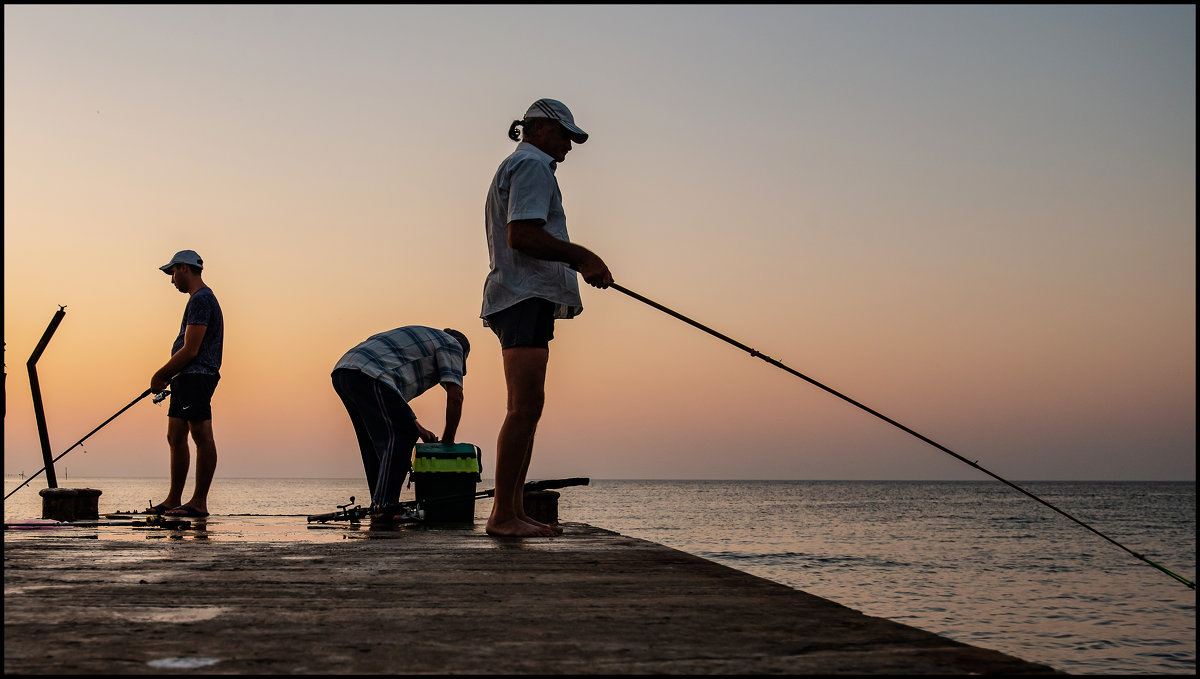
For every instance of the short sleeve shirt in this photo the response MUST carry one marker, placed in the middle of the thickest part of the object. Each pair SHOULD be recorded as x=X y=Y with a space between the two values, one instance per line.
x=524 y=187
x=410 y=360
x=202 y=309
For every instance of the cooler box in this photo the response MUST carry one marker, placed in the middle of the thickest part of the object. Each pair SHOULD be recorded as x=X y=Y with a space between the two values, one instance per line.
x=445 y=476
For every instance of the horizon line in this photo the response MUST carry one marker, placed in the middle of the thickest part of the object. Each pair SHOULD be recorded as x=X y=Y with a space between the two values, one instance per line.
x=722 y=480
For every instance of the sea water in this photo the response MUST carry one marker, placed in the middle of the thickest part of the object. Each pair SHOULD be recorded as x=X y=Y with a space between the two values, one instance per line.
x=977 y=562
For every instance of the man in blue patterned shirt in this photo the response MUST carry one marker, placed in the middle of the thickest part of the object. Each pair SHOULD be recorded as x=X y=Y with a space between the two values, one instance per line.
x=377 y=379
x=192 y=372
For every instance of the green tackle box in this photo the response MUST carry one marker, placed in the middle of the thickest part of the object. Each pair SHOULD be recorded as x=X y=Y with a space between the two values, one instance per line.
x=445 y=476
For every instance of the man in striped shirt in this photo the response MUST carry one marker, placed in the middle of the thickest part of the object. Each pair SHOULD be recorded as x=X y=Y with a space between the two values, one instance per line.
x=377 y=379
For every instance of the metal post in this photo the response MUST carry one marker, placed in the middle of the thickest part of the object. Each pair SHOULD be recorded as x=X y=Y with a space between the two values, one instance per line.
x=38 y=411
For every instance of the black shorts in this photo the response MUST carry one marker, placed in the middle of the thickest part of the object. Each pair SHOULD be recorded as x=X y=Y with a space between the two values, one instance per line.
x=191 y=396
x=528 y=323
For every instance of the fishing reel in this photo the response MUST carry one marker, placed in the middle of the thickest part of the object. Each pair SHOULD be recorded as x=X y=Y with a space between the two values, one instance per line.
x=354 y=514
x=162 y=396
x=400 y=512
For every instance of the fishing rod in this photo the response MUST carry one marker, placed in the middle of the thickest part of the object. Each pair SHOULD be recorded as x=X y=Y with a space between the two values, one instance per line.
x=757 y=354
x=157 y=399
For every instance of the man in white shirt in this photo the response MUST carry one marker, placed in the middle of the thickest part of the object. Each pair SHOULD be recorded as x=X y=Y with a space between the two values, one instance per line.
x=530 y=284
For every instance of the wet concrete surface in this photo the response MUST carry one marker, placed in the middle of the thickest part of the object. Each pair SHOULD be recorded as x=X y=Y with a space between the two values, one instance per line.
x=253 y=595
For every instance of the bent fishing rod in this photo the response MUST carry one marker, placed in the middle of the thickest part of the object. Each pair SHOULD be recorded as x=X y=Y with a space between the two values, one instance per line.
x=144 y=394
x=757 y=354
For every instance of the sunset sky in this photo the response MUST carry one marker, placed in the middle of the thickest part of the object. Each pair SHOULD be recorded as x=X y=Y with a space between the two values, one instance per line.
x=978 y=220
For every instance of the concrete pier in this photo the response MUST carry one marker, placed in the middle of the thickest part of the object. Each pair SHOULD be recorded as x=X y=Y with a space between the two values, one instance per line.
x=262 y=596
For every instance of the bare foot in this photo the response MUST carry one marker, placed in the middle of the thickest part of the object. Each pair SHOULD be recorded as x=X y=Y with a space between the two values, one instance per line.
x=519 y=529
x=551 y=526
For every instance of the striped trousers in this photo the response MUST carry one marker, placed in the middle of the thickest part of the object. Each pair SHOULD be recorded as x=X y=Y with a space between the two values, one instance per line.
x=386 y=429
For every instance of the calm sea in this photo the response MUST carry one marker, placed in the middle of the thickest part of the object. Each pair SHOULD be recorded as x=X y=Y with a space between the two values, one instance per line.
x=972 y=561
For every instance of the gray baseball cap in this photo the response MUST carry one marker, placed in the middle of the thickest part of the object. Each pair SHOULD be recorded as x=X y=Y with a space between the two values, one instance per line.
x=183 y=257
x=556 y=110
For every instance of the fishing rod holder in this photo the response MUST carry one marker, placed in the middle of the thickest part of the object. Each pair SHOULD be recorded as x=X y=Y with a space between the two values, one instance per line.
x=59 y=504
x=70 y=504
x=541 y=505
x=38 y=411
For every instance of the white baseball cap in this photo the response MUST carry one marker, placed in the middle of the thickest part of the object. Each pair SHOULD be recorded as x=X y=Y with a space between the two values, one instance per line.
x=183 y=257
x=556 y=110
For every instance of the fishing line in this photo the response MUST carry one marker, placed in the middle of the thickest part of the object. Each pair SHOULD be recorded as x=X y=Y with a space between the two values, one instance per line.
x=935 y=444
x=80 y=441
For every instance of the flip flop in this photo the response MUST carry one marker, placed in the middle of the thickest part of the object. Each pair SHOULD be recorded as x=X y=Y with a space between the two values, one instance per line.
x=159 y=508
x=187 y=511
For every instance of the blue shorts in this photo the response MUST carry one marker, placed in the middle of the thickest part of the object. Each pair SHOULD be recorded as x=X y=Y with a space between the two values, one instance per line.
x=191 y=396
x=528 y=323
